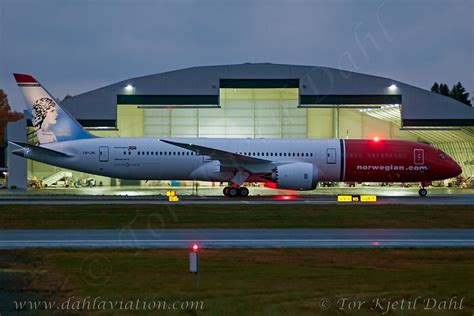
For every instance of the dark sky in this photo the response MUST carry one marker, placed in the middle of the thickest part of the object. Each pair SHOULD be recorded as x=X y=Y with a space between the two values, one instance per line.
x=76 y=46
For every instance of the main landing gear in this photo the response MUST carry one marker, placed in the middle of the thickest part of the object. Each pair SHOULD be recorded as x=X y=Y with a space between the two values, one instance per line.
x=236 y=191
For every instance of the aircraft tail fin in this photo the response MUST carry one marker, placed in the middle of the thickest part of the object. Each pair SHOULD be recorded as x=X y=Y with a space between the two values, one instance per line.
x=50 y=122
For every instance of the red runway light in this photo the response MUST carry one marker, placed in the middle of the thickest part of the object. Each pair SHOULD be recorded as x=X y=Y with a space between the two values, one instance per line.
x=195 y=247
x=376 y=243
x=285 y=197
x=376 y=139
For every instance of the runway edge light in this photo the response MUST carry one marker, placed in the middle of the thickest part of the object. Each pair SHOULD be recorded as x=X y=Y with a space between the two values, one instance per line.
x=194 y=262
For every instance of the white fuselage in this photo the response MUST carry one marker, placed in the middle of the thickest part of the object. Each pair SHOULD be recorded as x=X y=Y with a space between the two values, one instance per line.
x=153 y=159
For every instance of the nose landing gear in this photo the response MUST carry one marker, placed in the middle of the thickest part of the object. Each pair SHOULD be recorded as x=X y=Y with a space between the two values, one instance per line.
x=422 y=191
x=236 y=191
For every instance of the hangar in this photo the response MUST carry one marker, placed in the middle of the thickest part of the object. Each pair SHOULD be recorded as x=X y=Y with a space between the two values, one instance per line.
x=271 y=101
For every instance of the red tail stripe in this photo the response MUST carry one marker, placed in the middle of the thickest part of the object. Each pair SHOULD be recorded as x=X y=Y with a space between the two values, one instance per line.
x=22 y=78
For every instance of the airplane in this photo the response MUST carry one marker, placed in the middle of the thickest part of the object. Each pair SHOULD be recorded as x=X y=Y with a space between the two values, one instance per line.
x=294 y=164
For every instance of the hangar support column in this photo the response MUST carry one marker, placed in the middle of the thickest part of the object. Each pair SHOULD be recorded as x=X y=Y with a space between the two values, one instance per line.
x=336 y=122
x=17 y=172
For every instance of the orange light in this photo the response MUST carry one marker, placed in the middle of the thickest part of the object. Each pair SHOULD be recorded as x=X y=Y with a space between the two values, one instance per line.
x=376 y=139
x=195 y=247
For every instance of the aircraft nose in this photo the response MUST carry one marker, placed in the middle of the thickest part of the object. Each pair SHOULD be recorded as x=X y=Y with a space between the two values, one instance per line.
x=457 y=170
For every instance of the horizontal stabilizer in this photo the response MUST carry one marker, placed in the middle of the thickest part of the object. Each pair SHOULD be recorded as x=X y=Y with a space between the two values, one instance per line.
x=40 y=150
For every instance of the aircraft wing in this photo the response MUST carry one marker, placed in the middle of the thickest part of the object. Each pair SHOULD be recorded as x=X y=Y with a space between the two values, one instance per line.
x=226 y=158
x=40 y=150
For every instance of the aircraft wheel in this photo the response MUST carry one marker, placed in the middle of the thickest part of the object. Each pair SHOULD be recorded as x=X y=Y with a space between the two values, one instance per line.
x=226 y=191
x=422 y=192
x=233 y=192
x=243 y=191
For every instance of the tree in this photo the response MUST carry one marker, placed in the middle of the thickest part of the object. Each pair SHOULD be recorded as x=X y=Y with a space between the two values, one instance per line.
x=444 y=89
x=435 y=87
x=6 y=115
x=459 y=93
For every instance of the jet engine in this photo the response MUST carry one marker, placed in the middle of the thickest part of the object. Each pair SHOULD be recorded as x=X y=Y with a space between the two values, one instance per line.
x=295 y=176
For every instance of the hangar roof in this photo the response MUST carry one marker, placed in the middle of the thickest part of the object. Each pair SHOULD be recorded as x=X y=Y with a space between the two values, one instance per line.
x=317 y=85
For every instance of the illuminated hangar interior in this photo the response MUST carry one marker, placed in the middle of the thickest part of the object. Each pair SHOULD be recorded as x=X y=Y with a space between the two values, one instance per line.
x=270 y=101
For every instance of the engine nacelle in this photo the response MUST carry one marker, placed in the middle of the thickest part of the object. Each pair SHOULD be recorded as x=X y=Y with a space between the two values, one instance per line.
x=296 y=176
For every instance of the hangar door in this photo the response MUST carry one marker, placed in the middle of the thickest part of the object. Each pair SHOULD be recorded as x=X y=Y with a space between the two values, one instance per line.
x=248 y=108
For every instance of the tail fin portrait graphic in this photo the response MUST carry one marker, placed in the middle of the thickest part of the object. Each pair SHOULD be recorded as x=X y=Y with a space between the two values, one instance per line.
x=50 y=122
